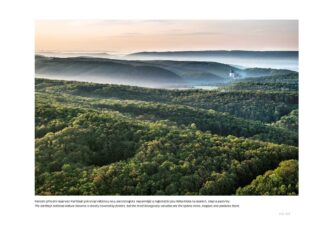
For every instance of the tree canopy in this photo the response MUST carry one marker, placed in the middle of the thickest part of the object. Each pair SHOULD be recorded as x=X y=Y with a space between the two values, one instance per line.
x=100 y=139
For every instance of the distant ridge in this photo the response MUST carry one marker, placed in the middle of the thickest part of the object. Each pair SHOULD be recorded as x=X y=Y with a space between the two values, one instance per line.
x=105 y=71
x=221 y=53
x=147 y=73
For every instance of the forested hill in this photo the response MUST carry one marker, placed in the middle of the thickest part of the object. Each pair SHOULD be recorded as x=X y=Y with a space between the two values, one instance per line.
x=150 y=73
x=277 y=82
x=265 y=104
x=101 y=139
x=104 y=70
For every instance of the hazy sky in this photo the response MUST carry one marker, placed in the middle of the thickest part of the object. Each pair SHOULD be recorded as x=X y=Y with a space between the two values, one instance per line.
x=165 y=35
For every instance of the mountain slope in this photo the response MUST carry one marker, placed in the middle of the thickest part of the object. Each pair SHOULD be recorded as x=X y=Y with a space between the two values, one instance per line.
x=106 y=71
x=106 y=153
x=244 y=59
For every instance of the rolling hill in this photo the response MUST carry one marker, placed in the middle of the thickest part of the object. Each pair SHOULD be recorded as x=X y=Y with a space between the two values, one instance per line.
x=148 y=73
x=105 y=71
x=102 y=139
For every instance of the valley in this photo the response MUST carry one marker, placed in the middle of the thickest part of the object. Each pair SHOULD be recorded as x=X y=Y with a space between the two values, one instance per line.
x=115 y=139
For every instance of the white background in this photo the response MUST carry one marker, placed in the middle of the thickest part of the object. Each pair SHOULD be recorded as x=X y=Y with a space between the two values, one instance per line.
x=17 y=112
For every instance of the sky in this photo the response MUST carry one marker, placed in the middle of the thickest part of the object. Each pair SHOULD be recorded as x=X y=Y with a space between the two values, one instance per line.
x=124 y=36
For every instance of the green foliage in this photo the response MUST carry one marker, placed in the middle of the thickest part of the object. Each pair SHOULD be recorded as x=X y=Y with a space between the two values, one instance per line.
x=261 y=105
x=205 y=120
x=147 y=158
x=281 y=181
x=290 y=121
x=282 y=82
x=50 y=118
x=90 y=139
x=71 y=180
x=94 y=139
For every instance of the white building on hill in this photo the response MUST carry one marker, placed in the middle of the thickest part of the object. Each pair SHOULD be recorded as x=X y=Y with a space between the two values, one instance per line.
x=233 y=74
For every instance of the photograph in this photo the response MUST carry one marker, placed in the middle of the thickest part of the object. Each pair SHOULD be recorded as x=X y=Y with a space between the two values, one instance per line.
x=166 y=107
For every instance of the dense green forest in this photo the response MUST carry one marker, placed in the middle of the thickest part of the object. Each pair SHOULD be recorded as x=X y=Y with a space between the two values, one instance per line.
x=101 y=139
x=281 y=181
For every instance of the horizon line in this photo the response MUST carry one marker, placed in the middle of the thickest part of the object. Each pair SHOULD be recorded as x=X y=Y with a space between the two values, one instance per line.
x=161 y=51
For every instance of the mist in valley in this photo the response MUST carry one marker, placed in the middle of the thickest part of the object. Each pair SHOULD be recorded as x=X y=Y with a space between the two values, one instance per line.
x=289 y=62
x=162 y=70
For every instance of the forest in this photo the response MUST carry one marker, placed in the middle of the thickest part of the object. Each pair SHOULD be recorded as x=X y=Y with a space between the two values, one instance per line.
x=106 y=139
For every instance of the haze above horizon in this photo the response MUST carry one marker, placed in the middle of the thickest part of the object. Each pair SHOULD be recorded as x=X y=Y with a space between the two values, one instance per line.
x=124 y=36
